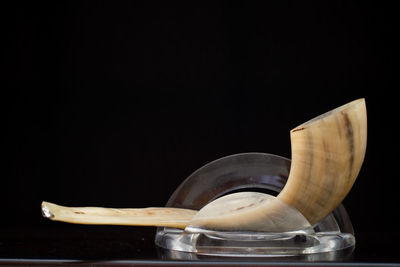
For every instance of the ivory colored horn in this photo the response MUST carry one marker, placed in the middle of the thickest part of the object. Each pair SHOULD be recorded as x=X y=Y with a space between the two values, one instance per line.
x=327 y=154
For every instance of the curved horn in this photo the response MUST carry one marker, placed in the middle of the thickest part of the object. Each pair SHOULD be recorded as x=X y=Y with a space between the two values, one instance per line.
x=327 y=154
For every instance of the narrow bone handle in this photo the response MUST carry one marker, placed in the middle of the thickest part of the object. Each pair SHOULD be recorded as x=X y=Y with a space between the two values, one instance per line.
x=168 y=217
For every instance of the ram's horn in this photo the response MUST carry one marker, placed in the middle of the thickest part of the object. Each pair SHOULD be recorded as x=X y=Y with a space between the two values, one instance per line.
x=327 y=154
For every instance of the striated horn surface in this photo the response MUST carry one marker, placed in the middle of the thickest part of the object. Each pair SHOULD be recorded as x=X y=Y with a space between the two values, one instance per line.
x=327 y=154
x=248 y=211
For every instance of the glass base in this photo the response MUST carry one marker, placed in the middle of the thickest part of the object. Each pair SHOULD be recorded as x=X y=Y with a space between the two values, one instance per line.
x=253 y=244
x=250 y=171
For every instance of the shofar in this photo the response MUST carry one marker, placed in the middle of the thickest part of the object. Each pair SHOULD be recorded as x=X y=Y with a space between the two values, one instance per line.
x=327 y=154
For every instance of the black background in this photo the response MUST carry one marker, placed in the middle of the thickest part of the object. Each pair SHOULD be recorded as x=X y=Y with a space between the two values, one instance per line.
x=114 y=103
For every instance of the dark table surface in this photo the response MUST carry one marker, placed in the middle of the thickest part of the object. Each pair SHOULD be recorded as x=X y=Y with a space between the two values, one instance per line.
x=62 y=244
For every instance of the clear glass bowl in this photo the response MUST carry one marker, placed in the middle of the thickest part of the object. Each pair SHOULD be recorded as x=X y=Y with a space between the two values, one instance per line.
x=331 y=237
